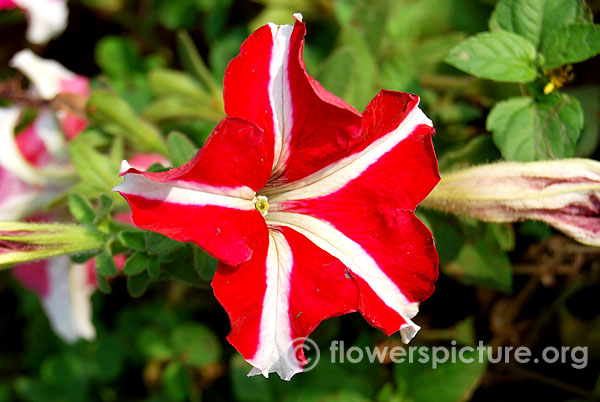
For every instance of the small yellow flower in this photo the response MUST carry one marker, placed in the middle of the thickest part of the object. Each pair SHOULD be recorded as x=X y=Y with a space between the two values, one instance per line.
x=558 y=77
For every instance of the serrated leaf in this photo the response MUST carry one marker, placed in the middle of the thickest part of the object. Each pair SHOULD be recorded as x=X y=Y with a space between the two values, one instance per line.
x=105 y=265
x=137 y=284
x=500 y=56
x=571 y=44
x=534 y=19
x=133 y=239
x=158 y=244
x=82 y=209
x=181 y=149
x=525 y=130
x=136 y=263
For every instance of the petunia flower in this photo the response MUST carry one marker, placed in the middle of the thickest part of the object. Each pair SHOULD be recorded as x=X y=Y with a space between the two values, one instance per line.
x=64 y=289
x=51 y=80
x=307 y=204
x=32 y=169
x=47 y=18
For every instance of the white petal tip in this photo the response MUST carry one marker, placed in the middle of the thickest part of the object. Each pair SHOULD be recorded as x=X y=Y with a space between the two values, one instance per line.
x=125 y=166
x=257 y=371
x=298 y=16
x=408 y=332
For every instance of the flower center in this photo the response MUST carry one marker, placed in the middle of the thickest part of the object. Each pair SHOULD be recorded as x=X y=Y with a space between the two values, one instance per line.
x=261 y=204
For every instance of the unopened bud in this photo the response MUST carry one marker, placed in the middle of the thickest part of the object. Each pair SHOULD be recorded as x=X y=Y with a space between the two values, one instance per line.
x=563 y=193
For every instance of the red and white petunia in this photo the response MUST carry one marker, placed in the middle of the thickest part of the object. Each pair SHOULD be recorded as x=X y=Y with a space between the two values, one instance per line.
x=49 y=79
x=47 y=18
x=32 y=169
x=64 y=289
x=307 y=204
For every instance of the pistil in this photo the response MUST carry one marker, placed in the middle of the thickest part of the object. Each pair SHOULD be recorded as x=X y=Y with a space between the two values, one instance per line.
x=261 y=203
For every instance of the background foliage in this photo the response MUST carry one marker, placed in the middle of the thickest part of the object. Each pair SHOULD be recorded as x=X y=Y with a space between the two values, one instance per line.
x=157 y=68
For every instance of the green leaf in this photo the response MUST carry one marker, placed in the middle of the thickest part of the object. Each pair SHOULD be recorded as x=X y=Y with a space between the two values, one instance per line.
x=154 y=267
x=504 y=235
x=205 y=265
x=535 y=19
x=500 y=56
x=97 y=171
x=116 y=56
x=571 y=44
x=371 y=18
x=179 y=107
x=83 y=257
x=350 y=71
x=177 y=14
x=589 y=99
x=166 y=82
x=482 y=263
x=153 y=345
x=451 y=381
x=181 y=149
x=248 y=389
x=108 y=108
x=108 y=361
x=133 y=239
x=158 y=244
x=105 y=265
x=525 y=130
x=193 y=62
x=224 y=48
x=175 y=382
x=137 y=284
x=103 y=284
x=135 y=264
x=106 y=204
x=82 y=209
x=197 y=345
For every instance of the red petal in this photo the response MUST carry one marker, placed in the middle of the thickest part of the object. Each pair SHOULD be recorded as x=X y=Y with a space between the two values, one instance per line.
x=268 y=85
x=209 y=200
x=361 y=211
x=281 y=296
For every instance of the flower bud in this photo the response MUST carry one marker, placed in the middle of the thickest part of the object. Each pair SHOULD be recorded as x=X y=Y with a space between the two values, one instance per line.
x=563 y=193
x=22 y=242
